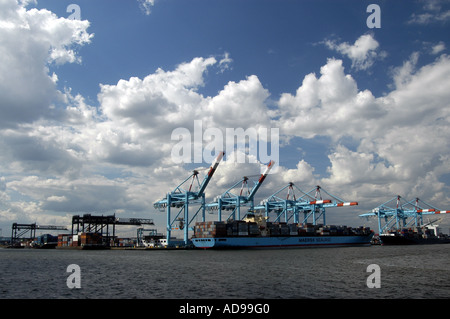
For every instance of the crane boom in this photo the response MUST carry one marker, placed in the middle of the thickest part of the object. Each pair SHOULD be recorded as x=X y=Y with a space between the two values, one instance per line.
x=261 y=180
x=210 y=174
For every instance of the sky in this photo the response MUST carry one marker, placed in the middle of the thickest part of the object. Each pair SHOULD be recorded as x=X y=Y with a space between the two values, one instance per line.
x=92 y=91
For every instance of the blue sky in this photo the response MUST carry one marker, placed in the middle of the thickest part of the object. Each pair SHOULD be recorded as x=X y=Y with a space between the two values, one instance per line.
x=88 y=106
x=270 y=39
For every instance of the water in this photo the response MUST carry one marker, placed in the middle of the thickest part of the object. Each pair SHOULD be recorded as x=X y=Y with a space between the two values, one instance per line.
x=406 y=272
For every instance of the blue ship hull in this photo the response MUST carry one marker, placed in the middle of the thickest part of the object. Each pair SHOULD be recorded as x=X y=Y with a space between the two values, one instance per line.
x=264 y=242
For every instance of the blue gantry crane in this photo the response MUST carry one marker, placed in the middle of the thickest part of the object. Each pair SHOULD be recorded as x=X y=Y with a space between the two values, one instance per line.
x=282 y=206
x=291 y=206
x=402 y=214
x=181 y=198
x=335 y=201
x=229 y=201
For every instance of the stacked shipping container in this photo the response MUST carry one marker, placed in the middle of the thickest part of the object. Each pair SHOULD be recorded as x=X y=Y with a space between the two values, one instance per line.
x=90 y=239
x=80 y=240
x=417 y=232
x=63 y=240
x=223 y=229
x=210 y=229
x=242 y=228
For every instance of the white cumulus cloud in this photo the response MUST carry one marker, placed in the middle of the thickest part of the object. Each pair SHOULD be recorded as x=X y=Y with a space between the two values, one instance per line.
x=146 y=5
x=399 y=140
x=27 y=90
x=363 y=52
x=117 y=157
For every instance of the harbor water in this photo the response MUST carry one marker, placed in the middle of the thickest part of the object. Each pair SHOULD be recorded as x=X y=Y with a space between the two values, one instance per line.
x=404 y=272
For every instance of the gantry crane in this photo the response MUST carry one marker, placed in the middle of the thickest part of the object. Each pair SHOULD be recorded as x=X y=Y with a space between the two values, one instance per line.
x=282 y=206
x=291 y=206
x=182 y=198
x=403 y=214
x=319 y=204
x=229 y=201
x=25 y=228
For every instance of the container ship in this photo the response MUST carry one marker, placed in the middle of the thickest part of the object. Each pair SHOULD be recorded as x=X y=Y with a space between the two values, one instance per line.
x=391 y=217
x=256 y=232
x=46 y=241
x=427 y=235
